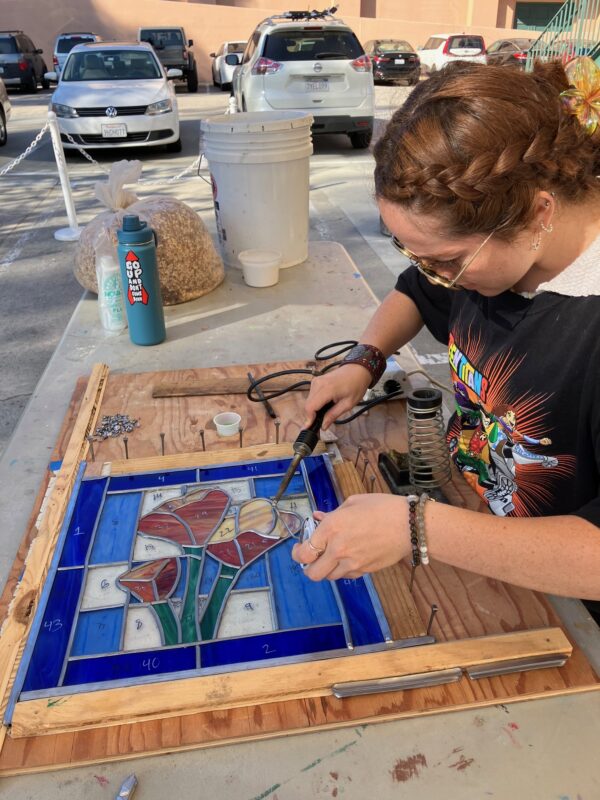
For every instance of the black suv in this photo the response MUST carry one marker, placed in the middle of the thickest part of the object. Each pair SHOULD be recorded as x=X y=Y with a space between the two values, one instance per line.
x=173 y=51
x=21 y=62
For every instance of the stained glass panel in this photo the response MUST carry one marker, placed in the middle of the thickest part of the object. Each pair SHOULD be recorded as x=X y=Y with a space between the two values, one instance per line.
x=177 y=573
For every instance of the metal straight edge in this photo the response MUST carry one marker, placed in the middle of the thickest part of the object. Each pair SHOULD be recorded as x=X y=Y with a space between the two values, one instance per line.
x=515 y=665
x=43 y=600
x=397 y=684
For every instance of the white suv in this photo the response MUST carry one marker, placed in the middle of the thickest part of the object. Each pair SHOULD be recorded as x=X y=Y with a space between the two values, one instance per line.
x=309 y=61
x=443 y=48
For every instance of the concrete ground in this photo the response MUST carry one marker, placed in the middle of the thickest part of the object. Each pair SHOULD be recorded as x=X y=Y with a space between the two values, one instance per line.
x=38 y=292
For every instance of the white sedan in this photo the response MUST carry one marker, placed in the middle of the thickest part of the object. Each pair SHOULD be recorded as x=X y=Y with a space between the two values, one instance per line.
x=222 y=73
x=116 y=95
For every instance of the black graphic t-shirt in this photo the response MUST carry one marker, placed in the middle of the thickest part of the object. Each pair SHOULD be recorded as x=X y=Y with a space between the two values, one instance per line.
x=525 y=432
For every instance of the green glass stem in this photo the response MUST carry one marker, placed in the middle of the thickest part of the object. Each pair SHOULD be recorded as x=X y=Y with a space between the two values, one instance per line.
x=189 y=612
x=225 y=579
x=168 y=621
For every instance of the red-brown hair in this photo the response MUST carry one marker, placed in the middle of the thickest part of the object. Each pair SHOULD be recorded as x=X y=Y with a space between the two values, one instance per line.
x=473 y=144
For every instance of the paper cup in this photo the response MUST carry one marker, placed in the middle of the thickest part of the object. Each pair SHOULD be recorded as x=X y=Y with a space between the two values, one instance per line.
x=260 y=267
x=227 y=423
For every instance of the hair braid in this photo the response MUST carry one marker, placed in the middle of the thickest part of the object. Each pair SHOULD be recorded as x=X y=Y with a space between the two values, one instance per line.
x=475 y=143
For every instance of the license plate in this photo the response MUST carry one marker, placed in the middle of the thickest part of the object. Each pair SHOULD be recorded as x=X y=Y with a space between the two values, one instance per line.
x=114 y=131
x=317 y=86
x=398 y=61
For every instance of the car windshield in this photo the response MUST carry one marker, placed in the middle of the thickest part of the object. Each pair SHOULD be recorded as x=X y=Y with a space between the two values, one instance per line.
x=394 y=46
x=312 y=45
x=524 y=44
x=161 y=39
x=465 y=43
x=67 y=44
x=236 y=47
x=7 y=45
x=111 y=65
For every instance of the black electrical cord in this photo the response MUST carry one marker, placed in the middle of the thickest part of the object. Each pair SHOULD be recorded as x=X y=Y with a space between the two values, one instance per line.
x=320 y=355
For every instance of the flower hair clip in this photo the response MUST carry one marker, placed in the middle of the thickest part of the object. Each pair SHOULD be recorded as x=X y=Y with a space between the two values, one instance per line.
x=583 y=100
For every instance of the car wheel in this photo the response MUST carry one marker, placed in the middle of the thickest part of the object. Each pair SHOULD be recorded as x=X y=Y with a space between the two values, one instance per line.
x=244 y=107
x=45 y=83
x=360 y=140
x=174 y=147
x=30 y=85
x=3 y=134
x=192 y=80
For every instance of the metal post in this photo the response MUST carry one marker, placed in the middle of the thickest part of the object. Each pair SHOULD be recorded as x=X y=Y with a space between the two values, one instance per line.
x=73 y=232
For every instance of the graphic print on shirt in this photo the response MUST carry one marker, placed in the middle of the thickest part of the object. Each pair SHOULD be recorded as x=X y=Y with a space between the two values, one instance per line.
x=136 y=293
x=498 y=441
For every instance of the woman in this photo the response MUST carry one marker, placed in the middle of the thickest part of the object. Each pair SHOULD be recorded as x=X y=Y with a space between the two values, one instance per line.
x=486 y=178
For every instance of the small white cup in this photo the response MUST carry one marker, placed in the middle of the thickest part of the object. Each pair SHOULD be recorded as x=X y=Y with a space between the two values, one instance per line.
x=260 y=267
x=227 y=423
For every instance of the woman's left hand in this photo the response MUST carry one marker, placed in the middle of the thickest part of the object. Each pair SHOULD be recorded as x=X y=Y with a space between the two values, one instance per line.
x=366 y=533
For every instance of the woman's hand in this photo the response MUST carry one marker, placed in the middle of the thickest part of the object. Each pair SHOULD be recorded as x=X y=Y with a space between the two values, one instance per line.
x=366 y=533
x=345 y=385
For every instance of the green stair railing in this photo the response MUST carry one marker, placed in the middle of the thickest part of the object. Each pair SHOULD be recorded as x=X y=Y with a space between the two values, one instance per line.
x=573 y=31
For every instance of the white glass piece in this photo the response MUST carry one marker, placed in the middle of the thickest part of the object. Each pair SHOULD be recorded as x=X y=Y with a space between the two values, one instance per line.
x=237 y=490
x=141 y=629
x=101 y=588
x=156 y=497
x=299 y=505
x=245 y=613
x=147 y=548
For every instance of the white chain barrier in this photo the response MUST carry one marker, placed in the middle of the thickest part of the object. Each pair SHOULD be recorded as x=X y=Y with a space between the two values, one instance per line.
x=25 y=153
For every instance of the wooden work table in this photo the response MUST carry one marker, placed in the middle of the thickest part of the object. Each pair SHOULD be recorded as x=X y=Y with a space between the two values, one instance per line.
x=461 y=755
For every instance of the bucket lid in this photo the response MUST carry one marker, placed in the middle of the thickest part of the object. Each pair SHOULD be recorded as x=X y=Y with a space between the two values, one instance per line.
x=256 y=122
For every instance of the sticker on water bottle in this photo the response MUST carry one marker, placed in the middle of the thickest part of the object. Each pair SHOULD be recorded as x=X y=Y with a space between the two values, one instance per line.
x=136 y=293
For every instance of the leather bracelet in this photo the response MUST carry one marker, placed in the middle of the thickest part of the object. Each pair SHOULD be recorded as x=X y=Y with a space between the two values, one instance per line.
x=369 y=357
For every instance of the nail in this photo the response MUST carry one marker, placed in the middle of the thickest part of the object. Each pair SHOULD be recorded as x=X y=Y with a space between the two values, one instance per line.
x=412 y=578
x=277 y=424
x=91 y=443
x=434 y=610
x=358 y=452
x=241 y=437
x=365 y=465
x=202 y=438
x=372 y=479
x=125 y=440
x=162 y=443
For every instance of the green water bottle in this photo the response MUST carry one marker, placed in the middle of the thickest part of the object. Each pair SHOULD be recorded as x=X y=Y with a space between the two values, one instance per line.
x=141 y=284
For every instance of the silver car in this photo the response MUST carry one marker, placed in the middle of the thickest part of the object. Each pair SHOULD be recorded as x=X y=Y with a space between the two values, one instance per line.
x=65 y=42
x=5 y=112
x=116 y=95
x=308 y=61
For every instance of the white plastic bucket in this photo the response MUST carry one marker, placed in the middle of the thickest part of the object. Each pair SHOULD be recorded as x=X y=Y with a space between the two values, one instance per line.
x=259 y=165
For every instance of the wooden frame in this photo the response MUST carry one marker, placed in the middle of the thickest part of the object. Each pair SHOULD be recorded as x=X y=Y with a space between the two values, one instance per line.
x=228 y=708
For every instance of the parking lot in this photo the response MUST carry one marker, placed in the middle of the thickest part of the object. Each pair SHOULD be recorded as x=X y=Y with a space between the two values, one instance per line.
x=37 y=289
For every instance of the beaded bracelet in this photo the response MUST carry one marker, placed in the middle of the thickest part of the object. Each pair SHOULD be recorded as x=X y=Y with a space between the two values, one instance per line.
x=413 y=502
x=369 y=357
x=421 y=529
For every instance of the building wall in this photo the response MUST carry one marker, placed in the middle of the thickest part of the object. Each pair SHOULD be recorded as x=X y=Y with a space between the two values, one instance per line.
x=210 y=23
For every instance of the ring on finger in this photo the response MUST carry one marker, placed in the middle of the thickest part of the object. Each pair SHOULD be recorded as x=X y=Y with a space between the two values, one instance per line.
x=317 y=550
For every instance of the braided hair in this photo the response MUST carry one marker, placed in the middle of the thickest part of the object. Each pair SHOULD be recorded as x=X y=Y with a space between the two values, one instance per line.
x=474 y=144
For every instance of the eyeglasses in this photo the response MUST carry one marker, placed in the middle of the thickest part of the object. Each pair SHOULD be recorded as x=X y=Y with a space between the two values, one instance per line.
x=425 y=267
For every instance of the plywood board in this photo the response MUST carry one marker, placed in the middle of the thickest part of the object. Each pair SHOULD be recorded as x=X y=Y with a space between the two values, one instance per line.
x=470 y=606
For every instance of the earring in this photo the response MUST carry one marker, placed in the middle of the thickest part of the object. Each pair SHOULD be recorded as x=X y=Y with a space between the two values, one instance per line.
x=535 y=245
x=547 y=228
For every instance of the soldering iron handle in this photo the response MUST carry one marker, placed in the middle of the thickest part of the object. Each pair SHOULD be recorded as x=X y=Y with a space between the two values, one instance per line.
x=317 y=423
x=308 y=438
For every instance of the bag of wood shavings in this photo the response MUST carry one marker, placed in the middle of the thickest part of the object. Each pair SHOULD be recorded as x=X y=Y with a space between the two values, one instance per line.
x=188 y=263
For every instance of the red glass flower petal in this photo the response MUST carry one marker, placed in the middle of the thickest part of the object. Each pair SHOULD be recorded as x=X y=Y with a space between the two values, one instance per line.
x=152 y=581
x=165 y=526
x=227 y=552
x=203 y=516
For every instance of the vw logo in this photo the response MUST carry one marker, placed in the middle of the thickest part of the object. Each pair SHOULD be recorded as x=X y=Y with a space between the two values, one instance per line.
x=111 y=111
x=318 y=67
